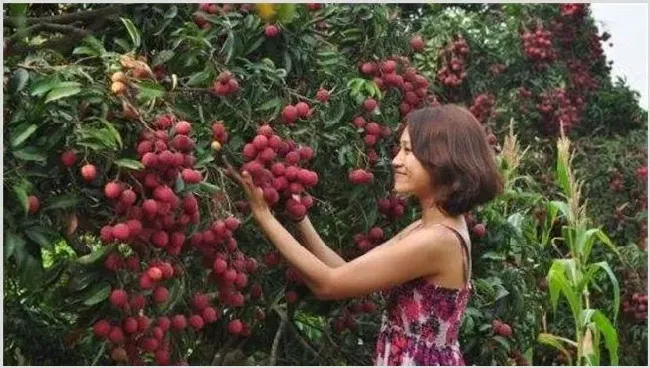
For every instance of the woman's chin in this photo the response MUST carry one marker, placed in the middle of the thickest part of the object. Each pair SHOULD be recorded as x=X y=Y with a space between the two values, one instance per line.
x=399 y=189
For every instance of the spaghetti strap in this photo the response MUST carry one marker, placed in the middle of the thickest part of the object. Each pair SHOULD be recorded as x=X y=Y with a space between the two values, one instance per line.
x=467 y=272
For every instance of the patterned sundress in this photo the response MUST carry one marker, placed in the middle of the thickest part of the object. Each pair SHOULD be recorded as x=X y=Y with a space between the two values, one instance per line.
x=420 y=324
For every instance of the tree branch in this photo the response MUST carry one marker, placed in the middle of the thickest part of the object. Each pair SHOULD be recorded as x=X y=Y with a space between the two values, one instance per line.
x=276 y=342
x=51 y=27
x=65 y=18
x=64 y=45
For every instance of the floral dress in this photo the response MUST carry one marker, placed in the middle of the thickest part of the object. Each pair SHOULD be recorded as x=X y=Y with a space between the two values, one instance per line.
x=421 y=322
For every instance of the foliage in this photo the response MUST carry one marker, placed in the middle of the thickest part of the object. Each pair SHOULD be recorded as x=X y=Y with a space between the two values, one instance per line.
x=63 y=92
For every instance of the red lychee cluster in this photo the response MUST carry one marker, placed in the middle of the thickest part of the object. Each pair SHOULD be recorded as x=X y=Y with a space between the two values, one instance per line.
x=158 y=217
x=231 y=271
x=483 y=107
x=397 y=72
x=616 y=183
x=373 y=238
x=361 y=176
x=416 y=43
x=215 y=9
x=346 y=320
x=558 y=110
x=538 y=46
x=226 y=84
x=453 y=58
x=373 y=133
x=314 y=6
x=291 y=113
x=496 y=69
x=501 y=329
x=279 y=167
x=575 y=10
x=392 y=206
x=271 y=30
x=636 y=307
x=478 y=229
x=581 y=78
x=219 y=134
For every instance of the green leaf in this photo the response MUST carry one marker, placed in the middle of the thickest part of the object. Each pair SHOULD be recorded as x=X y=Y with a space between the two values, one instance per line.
x=21 y=195
x=163 y=27
x=150 y=90
x=63 y=201
x=562 y=172
x=98 y=294
x=171 y=12
x=338 y=113
x=129 y=164
x=96 y=44
x=558 y=206
x=286 y=12
x=12 y=243
x=255 y=45
x=31 y=271
x=558 y=281
x=163 y=57
x=29 y=154
x=19 y=80
x=584 y=243
x=269 y=105
x=85 y=50
x=111 y=129
x=199 y=78
x=493 y=255
x=611 y=336
x=503 y=341
x=608 y=242
x=18 y=9
x=612 y=278
x=228 y=46
x=210 y=188
x=53 y=273
x=95 y=256
x=133 y=32
x=62 y=92
x=22 y=133
x=122 y=43
x=39 y=235
x=287 y=61
x=44 y=85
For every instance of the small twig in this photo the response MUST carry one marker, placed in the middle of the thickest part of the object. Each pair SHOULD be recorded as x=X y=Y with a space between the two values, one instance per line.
x=220 y=354
x=276 y=341
x=291 y=92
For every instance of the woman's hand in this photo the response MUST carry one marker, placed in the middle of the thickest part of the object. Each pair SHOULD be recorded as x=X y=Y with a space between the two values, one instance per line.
x=254 y=194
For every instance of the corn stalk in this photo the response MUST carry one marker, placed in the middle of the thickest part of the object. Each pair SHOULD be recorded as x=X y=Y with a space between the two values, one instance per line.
x=572 y=275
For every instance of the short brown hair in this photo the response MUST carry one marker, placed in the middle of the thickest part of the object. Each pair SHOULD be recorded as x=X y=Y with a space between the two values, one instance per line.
x=451 y=144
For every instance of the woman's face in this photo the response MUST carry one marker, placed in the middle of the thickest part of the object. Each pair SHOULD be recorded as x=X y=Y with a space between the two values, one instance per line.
x=410 y=176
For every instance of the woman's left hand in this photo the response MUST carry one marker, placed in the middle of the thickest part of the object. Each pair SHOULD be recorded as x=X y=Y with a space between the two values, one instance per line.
x=254 y=194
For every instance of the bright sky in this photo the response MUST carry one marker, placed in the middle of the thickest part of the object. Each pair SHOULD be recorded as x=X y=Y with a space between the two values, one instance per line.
x=628 y=25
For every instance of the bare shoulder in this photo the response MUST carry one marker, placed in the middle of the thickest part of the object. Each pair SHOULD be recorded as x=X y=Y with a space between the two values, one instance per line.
x=433 y=240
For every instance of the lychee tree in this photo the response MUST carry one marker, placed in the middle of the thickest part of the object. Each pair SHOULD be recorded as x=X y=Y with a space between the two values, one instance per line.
x=123 y=126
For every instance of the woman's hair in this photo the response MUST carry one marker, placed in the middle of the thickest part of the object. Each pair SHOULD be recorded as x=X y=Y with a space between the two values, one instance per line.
x=451 y=144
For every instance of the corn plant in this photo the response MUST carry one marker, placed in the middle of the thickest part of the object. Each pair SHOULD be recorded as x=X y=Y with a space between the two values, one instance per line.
x=572 y=275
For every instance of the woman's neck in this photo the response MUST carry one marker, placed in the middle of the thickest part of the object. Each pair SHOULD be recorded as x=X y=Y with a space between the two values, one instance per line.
x=431 y=214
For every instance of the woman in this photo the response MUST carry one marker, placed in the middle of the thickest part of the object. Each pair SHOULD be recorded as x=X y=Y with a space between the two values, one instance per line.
x=446 y=163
